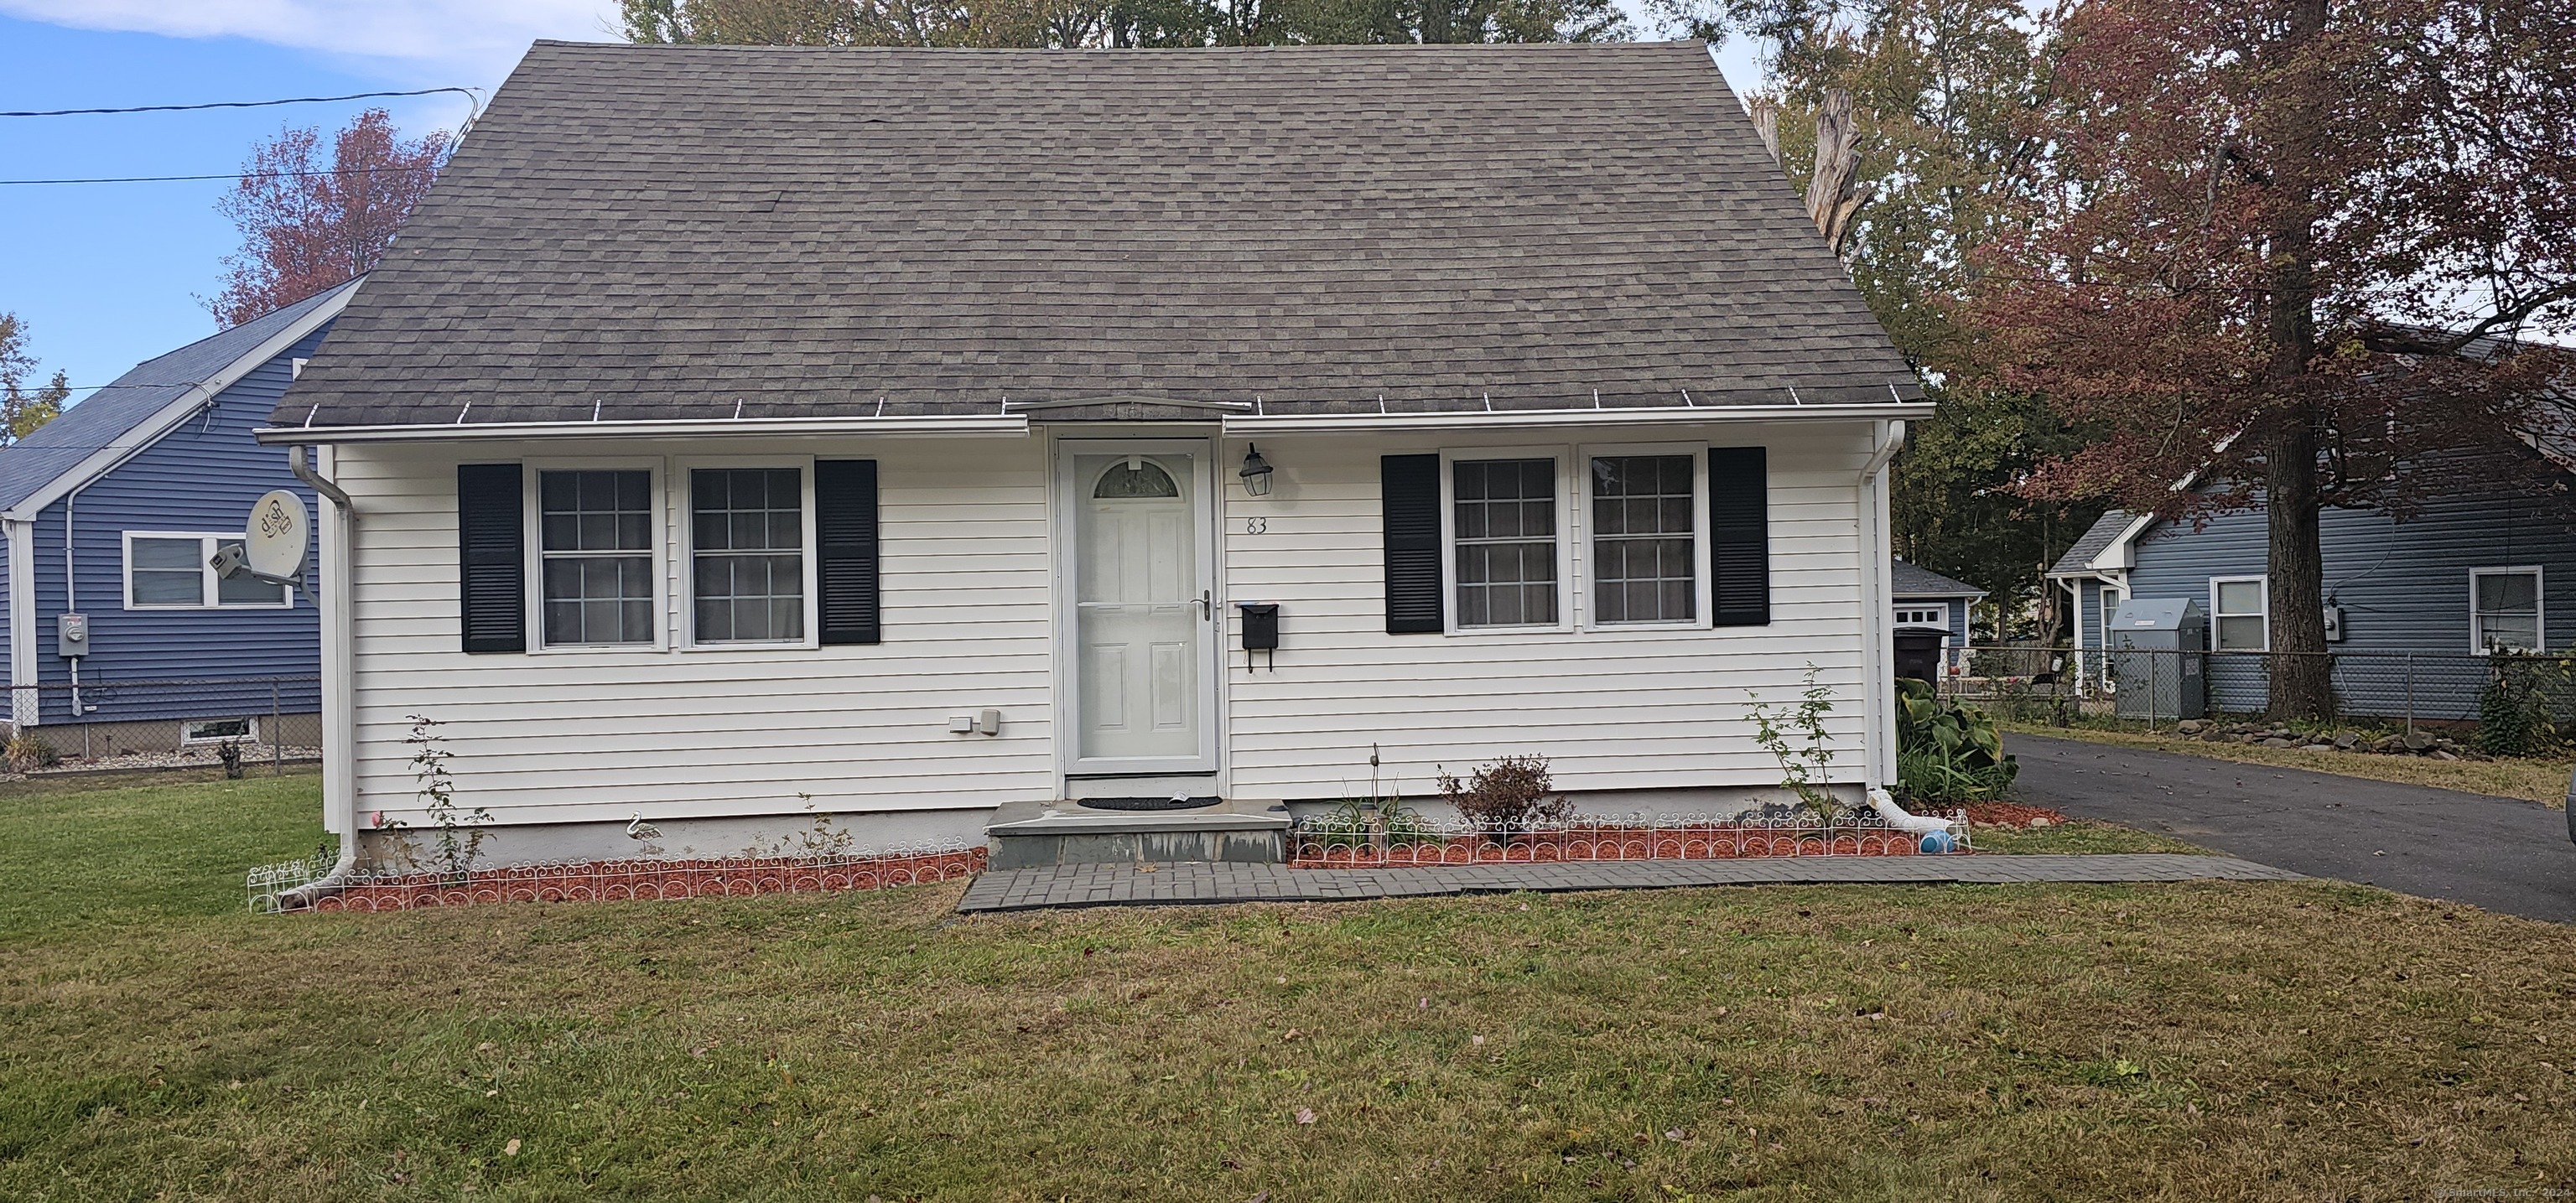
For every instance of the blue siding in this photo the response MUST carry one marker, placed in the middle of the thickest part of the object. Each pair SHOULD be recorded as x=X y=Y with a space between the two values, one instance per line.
x=2403 y=586
x=202 y=476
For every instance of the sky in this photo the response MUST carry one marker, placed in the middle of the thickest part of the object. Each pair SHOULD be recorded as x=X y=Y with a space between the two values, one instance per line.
x=104 y=276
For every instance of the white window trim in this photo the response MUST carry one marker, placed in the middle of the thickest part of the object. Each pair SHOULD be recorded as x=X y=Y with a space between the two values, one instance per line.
x=188 y=739
x=206 y=588
x=532 y=480
x=2214 y=614
x=1568 y=535
x=2539 y=603
x=1703 y=599
x=685 y=519
x=1940 y=615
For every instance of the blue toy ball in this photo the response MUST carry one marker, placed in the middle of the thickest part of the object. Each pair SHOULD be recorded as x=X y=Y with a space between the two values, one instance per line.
x=1937 y=842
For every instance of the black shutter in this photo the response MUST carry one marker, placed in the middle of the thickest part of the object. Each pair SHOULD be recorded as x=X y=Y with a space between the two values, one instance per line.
x=1739 y=536
x=491 y=552
x=845 y=534
x=1410 y=488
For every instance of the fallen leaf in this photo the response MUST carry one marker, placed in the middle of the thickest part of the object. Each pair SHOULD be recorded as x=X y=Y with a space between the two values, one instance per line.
x=1305 y=1116
x=1292 y=1034
x=484 y=1047
x=1677 y=1136
x=1476 y=1040
x=511 y=1149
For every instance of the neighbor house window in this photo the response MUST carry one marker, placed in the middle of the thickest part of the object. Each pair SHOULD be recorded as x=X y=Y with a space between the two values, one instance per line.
x=2504 y=610
x=217 y=730
x=595 y=554
x=2239 y=621
x=1504 y=534
x=169 y=570
x=1645 y=545
x=1922 y=618
x=747 y=551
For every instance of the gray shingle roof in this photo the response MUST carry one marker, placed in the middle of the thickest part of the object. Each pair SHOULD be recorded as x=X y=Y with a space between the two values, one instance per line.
x=2090 y=544
x=666 y=232
x=1906 y=580
x=57 y=447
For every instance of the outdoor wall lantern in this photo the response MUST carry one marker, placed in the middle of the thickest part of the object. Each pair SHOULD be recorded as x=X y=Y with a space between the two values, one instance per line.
x=1256 y=472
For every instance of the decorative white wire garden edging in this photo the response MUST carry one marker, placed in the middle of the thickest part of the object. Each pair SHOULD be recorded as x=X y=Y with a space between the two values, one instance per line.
x=614 y=880
x=1321 y=844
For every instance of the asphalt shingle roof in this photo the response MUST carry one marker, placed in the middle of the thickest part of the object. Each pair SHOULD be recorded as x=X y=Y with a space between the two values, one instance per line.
x=96 y=422
x=2090 y=544
x=1906 y=580
x=764 y=232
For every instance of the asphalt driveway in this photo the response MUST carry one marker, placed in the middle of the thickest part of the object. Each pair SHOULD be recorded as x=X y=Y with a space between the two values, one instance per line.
x=2499 y=853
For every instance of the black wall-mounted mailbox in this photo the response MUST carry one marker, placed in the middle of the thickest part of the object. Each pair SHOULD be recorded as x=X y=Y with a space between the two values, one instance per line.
x=1260 y=626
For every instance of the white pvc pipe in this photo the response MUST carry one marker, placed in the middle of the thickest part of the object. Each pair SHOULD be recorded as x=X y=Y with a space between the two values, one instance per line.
x=1902 y=819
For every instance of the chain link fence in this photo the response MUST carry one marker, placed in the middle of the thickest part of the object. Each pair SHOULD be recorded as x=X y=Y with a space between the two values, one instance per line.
x=2148 y=689
x=245 y=723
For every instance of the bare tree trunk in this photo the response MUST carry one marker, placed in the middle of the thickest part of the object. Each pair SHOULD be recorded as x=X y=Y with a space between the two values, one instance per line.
x=1834 y=195
x=2302 y=680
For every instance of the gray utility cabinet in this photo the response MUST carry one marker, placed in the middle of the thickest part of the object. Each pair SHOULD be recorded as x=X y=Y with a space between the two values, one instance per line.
x=2158 y=663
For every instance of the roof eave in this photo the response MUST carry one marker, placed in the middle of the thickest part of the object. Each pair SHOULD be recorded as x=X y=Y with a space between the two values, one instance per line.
x=1538 y=418
x=446 y=432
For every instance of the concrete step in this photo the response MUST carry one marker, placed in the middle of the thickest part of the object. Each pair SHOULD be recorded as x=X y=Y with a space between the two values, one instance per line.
x=1026 y=835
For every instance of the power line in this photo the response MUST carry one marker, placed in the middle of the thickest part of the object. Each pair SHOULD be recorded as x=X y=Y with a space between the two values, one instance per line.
x=469 y=94
x=229 y=175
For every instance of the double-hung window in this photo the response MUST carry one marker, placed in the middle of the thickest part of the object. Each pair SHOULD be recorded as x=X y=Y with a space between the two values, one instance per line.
x=595 y=557
x=1504 y=540
x=2504 y=610
x=2240 y=618
x=174 y=570
x=1645 y=538
x=747 y=554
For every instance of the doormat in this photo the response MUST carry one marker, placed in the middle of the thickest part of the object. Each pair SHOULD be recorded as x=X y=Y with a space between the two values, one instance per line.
x=1149 y=803
x=622 y=880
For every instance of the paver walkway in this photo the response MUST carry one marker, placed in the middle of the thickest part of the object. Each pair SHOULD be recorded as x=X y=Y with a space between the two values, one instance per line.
x=2500 y=853
x=1183 y=884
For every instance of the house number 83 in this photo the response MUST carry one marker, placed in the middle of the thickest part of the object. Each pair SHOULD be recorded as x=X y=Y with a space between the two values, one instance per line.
x=1256 y=526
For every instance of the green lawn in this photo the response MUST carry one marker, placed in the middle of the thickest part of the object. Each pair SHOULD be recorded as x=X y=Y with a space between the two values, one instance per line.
x=2178 y=1042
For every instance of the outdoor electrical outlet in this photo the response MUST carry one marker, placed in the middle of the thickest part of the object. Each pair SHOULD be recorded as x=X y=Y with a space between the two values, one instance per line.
x=989 y=722
x=962 y=724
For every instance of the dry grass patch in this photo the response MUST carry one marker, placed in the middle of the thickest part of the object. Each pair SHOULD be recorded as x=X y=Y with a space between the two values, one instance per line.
x=2542 y=780
x=2180 y=1042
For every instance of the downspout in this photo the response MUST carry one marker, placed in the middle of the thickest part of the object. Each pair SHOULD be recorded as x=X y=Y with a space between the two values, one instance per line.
x=71 y=595
x=1878 y=657
x=339 y=758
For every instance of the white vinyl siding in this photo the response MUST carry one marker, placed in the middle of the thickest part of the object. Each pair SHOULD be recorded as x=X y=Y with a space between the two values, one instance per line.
x=1651 y=707
x=2505 y=610
x=729 y=729
x=2239 y=614
x=173 y=570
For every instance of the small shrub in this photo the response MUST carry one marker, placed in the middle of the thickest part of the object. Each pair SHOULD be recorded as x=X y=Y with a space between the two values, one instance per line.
x=27 y=753
x=1511 y=794
x=1802 y=769
x=1946 y=752
x=2513 y=710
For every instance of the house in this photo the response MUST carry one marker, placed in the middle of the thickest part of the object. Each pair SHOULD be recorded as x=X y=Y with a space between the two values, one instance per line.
x=149 y=476
x=2413 y=607
x=926 y=441
x=1925 y=599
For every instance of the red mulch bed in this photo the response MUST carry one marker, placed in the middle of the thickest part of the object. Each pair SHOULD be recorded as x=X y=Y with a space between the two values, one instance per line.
x=625 y=880
x=1716 y=842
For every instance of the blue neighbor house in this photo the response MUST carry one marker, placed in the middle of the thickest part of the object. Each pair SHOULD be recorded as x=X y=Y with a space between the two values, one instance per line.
x=144 y=481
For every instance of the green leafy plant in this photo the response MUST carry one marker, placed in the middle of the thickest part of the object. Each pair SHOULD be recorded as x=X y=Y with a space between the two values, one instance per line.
x=460 y=834
x=1511 y=794
x=2513 y=710
x=1946 y=752
x=27 y=753
x=1803 y=763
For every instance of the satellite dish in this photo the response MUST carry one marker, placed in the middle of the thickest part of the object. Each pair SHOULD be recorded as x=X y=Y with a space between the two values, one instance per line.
x=278 y=532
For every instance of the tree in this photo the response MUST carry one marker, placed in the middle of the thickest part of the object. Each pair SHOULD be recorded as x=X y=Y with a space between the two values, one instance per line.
x=2249 y=224
x=23 y=409
x=1116 y=23
x=1941 y=91
x=306 y=227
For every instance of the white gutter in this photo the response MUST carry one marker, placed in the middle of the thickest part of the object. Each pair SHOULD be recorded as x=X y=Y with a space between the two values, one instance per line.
x=21 y=669
x=448 y=432
x=1509 y=419
x=339 y=715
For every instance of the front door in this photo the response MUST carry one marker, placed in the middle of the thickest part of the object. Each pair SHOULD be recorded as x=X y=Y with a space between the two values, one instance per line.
x=1144 y=635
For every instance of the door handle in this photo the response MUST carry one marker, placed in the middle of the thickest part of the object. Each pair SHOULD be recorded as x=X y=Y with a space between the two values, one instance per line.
x=1207 y=605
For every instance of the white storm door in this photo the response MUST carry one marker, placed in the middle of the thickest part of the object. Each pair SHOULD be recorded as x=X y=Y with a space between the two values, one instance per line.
x=1144 y=639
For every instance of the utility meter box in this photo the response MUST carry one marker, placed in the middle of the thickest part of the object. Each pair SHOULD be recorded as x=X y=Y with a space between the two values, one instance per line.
x=2158 y=659
x=71 y=636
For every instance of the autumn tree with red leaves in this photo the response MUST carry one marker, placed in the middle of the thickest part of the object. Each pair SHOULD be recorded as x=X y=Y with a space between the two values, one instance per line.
x=2284 y=250
x=306 y=226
